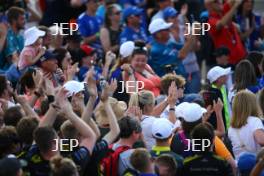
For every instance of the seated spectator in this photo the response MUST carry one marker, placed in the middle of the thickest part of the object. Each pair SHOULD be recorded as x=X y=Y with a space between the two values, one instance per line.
x=218 y=78
x=63 y=167
x=205 y=162
x=220 y=20
x=162 y=132
x=141 y=161
x=109 y=34
x=33 y=49
x=246 y=130
x=166 y=165
x=162 y=47
x=133 y=31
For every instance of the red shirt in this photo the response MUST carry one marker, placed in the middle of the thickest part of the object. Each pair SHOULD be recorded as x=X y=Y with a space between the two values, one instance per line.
x=227 y=36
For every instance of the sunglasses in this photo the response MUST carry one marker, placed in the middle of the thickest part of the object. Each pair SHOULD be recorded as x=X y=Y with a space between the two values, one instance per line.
x=117 y=13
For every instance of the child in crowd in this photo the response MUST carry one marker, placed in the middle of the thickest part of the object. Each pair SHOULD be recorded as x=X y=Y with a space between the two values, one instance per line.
x=33 y=49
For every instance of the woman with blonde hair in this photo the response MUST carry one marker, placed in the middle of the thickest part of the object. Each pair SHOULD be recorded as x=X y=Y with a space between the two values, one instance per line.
x=145 y=100
x=246 y=131
x=63 y=167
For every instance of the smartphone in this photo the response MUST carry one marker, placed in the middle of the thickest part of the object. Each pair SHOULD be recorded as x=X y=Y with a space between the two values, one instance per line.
x=209 y=97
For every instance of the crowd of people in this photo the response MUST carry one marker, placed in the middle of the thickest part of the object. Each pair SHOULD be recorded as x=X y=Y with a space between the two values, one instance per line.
x=115 y=87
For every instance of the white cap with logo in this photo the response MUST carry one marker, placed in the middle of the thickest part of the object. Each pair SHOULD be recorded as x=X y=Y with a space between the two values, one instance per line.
x=216 y=72
x=158 y=25
x=162 y=128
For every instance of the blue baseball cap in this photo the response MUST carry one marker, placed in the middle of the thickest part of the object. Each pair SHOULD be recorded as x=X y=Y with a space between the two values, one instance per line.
x=48 y=56
x=204 y=15
x=246 y=162
x=169 y=12
x=132 y=10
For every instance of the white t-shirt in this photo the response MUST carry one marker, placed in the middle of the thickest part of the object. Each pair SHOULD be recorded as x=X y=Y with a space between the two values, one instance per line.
x=146 y=125
x=245 y=136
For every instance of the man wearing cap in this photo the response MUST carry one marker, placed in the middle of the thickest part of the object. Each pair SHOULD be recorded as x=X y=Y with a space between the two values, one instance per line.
x=49 y=64
x=218 y=77
x=132 y=31
x=162 y=130
x=223 y=31
x=164 y=52
x=190 y=63
x=89 y=24
x=162 y=4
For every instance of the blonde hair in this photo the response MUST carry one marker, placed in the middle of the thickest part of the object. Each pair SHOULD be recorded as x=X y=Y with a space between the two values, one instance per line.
x=142 y=98
x=244 y=105
x=119 y=109
x=63 y=167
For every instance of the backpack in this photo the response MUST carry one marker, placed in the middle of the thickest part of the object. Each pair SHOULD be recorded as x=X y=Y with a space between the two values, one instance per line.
x=109 y=164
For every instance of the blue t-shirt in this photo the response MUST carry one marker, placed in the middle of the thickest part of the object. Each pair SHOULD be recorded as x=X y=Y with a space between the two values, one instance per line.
x=89 y=26
x=165 y=54
x=128 y=34
x=249 y=43
x=84 y=70
x=14 y=43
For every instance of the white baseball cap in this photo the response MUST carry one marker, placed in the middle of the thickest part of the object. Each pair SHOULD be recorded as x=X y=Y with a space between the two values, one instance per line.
x=158 y=25
x=126 y=49
x=162 y=128
x=73 y=87
x=216 y=72
x=190 y=112
x=32 y=34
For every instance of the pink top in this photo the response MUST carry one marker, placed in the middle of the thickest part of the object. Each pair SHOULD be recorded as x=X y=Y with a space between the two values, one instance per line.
x=27 y=51
x=152 y=83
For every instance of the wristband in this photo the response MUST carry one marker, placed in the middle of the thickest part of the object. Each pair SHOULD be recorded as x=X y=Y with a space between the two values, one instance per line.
x=172 y=109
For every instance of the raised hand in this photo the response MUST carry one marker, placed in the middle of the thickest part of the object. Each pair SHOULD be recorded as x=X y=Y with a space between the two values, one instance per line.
x=172 y=94
x=105 y=93
x=91 y=82
x=218 y=106
x=110 y=56
x=71 y=71
x=38 y=78
x=48 y=87
x=112 y=86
